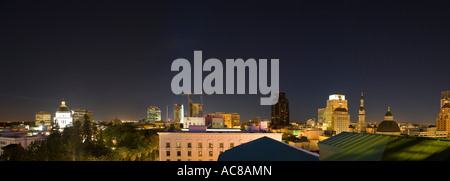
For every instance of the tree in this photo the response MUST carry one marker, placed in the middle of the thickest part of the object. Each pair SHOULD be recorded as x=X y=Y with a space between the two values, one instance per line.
x=13 y=152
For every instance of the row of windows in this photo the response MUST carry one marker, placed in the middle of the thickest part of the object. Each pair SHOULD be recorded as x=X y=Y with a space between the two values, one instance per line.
x=199 y=153
x=199 y=145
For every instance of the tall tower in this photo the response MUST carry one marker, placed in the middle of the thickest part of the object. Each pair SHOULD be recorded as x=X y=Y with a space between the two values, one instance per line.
x=362 y=125
x=280 y=112
x=443 y=120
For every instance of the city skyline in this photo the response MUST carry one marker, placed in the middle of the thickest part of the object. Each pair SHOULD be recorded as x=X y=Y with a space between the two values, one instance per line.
x=114 y=59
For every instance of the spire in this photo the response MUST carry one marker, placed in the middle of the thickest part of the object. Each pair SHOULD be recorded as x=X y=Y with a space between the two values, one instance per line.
x=362 y=99
x=389 y=109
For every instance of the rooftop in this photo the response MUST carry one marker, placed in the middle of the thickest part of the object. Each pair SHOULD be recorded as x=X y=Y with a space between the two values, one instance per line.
x=267 y=149
x=376 y=147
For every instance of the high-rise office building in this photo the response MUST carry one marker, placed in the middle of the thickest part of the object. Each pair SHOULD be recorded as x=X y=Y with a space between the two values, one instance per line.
x=325 y=114
x=63 y=116
x=280 y=112
x=153 y=114
x=78 y=115
x=445 y=96
x=340 y=119
x=43 y=118
x=362 y=125
x=443 y=120
x=178 y=113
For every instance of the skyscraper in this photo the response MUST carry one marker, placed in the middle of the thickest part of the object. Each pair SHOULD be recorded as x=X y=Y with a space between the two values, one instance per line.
x=178 y=113
x=445 y=96
x=325 y=114
x=153 y=114
x=78 y=115
x=340 y=119
x=194 y=109
x=362 y=125
x=443 y=120
x=280 y=112
x=43 y=118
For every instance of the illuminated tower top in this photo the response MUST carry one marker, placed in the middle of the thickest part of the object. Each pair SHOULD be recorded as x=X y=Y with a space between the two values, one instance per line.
x=362 y=111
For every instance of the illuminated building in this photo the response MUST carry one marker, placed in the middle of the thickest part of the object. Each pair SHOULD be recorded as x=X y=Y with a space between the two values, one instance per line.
x=193 y=121
x=388 y=126
x=178 y=113
x=231 y=120
x=443 y=120
x=78 y=115
x=63 y=116
x=280 y=112
x=153 y=114
x=362 y=125
x=205 y=145
x=44 y=118
x=325 y=114
x=340 y=119
x=445 y=96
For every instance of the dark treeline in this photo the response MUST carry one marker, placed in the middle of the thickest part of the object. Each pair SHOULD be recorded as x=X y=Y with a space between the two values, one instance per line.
x=84 y=141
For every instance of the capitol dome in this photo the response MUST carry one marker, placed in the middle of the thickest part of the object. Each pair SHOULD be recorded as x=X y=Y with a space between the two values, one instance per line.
x=63 y=107
x=388 y=126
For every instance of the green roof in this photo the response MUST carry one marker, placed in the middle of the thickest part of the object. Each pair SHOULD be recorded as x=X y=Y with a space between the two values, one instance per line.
x=376 y=147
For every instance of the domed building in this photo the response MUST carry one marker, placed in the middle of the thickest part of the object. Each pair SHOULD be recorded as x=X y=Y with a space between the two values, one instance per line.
x=63 y=116
x=388 y=126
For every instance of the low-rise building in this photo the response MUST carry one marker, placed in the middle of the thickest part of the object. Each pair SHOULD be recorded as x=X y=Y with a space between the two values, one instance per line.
x=25 y=141
x=204 y=144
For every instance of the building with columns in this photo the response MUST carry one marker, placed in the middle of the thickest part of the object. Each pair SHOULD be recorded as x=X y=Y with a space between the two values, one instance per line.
x=63 y=116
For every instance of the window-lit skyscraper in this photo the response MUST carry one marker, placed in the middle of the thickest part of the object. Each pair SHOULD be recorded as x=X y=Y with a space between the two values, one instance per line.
x=280 y=112
x=443 y=120
x=153 y=114
x=326 y=114
x=43 y=117
x=178 y=113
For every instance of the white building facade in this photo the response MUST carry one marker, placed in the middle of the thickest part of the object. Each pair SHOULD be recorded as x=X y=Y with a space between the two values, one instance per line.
x=207 y=146
x=63 y=116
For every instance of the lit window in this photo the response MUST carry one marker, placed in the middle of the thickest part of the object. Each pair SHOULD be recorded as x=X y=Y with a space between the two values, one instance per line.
x=210 y=145
x=200 y=153
x=210 y=153
x=178 y=145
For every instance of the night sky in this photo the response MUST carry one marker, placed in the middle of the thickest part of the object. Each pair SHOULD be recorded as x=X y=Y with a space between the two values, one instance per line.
x=114 y=58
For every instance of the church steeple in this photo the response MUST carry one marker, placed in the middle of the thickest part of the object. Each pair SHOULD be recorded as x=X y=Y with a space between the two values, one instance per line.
x=362 y=111
x=362 y=125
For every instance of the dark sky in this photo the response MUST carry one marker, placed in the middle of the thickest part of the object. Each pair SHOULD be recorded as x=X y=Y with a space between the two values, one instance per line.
x=114 y=58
